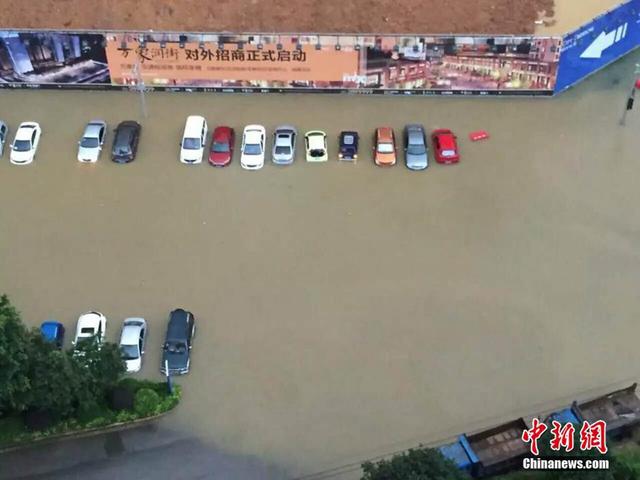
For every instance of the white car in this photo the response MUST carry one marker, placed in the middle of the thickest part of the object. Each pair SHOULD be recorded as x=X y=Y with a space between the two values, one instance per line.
x=4 y=131
x=252 y=152
x=90 y=145
x=194 y=139
x=315 y=143
x=25 y=143
x=132 y=339
x=90 y=324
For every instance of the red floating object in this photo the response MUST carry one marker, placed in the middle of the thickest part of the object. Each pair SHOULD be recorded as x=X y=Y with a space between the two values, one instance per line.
x=478 y=135
x=638 y=84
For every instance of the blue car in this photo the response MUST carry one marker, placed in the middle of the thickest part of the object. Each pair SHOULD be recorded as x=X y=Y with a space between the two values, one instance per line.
x=53 y=331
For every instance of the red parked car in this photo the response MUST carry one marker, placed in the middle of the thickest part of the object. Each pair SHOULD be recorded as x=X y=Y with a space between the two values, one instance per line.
x=445 y=146
x=221 y=151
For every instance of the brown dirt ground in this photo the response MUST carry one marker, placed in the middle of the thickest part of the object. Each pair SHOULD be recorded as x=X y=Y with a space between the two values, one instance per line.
x=358 y=16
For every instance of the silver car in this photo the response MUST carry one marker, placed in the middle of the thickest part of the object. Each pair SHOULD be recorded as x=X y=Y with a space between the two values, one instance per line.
x=284 y=145
x=90 y=145
x=4 y=133
x=415 y=152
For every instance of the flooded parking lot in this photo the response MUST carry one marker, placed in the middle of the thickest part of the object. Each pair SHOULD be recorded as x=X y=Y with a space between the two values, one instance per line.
x=344 y=310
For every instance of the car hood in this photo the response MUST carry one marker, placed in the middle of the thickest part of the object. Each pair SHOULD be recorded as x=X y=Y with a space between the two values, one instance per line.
x=191 y=155
x=176 y=360
x=219 y=157
x=88 y=153
x=282 y=157
x=386 y=157
x=417 y=159
x=133 y=365
x=252 y=159
x=21 y=156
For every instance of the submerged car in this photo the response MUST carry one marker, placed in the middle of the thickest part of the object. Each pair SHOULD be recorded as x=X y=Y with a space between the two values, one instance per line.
x=415 y=147
x=53 y=332
x=91 y=324
x=25 y=144
x=221 y=151
x=348 y=148
x=316 y=146
x=253 y=146
x=284 y=145
x=132 y=339
x=193 y=140
x=384 y=153
x=125 y=142
x=4 y=133
x=90 y=145
x=176 y=351
x=445 y=146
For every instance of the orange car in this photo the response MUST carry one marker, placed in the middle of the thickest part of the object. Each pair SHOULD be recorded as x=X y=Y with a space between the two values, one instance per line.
x=385 y=147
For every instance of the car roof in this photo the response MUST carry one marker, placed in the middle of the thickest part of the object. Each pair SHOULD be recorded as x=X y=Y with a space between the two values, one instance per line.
x=130 y=334
x=93 y=129
x=128 y=125
x=385 y=134
x=253 y=136
x=177 y=327
x=50 y=328
x=222 y=133
x=194 y=124
x=447 y=141
x=415 y=136
x=89 y=319
x=25 y=130
x=316 y=141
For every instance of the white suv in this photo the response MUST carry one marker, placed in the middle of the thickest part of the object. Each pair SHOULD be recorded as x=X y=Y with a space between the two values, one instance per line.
x=193 y=140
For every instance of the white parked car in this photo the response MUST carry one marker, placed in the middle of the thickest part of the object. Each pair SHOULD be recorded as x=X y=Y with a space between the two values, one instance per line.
x=253 y=146
x=193 y=140
x=132 y=339
x=25 y=143
x=90 y=145
x=90 y=324
x=315 y=143
x=4 y=132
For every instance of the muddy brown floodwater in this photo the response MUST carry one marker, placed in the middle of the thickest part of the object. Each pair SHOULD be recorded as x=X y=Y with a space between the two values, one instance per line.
x=343 y=310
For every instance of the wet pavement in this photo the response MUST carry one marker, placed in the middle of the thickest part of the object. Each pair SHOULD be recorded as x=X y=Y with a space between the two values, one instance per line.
x=344 y=311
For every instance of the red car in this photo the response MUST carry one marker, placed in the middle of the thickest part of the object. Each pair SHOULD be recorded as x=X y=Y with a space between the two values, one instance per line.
x=445 y=146
x=221 y=151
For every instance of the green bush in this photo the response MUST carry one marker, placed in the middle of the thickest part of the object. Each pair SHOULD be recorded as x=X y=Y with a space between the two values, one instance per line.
x=146 y=402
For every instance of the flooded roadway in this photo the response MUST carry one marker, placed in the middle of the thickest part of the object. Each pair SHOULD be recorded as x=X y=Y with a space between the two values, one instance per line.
x=343 y=310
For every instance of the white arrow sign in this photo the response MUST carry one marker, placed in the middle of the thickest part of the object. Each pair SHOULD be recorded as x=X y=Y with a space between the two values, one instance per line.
x=604 y=41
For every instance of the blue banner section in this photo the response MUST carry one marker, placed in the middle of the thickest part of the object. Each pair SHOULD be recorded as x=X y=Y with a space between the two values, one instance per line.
x=595 y=45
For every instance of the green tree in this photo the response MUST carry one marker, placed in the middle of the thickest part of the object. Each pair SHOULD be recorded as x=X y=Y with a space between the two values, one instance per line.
x=415 y=464
x=14 y=379
x=101 y=366
x=54 y=381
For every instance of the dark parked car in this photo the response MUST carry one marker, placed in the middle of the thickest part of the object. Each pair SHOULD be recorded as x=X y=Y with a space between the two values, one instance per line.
x=176 y=350
x=125 y=143
x=348 y=146
x=53 y=332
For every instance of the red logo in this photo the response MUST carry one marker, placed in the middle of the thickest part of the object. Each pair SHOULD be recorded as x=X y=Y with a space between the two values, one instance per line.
x=592 y=436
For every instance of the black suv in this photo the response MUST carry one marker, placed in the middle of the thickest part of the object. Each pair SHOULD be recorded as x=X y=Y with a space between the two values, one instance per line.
x=178 y=342
x=125 y=143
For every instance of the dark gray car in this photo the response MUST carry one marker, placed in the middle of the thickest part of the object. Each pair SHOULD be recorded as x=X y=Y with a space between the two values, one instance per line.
x=416 y=153
x=125 y=142
x=176 y=351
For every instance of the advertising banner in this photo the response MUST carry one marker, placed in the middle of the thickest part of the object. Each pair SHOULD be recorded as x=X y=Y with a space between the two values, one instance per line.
x=597 y=44
x=251 y=62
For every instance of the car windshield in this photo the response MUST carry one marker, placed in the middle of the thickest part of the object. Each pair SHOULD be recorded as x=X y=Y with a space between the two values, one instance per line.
x=317 y=153
x=219 y=147
x=87 y=331
x=22 y=145
x=448 y=153
x=385 y=148
x=283 y=150
x=416 y=150
x=129 y=352
x=89 y=142
x=252 y=149
x=175 y=347
x=191 y=144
